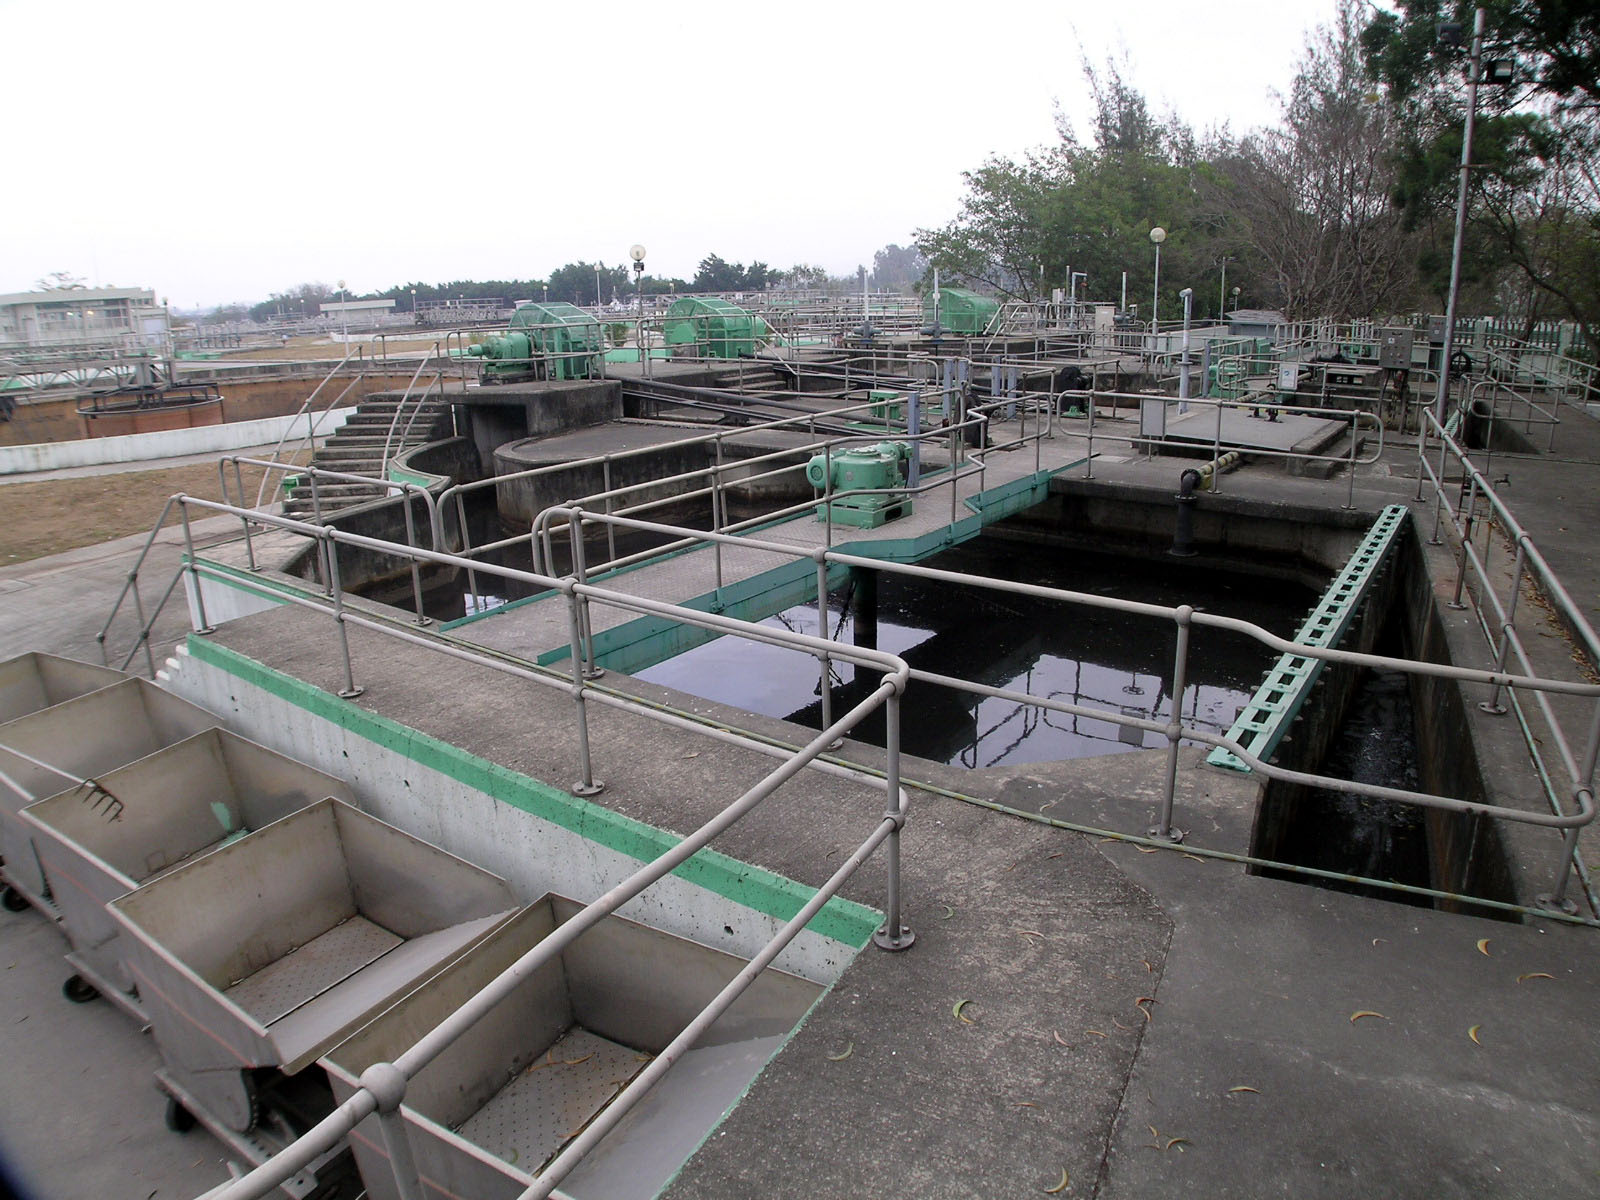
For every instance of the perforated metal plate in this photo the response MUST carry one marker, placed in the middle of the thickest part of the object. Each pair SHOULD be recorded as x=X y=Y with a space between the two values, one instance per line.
x=545 y=1106
x=301 y=975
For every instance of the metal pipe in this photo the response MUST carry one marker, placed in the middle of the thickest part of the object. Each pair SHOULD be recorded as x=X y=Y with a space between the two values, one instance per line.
x=1163 y=827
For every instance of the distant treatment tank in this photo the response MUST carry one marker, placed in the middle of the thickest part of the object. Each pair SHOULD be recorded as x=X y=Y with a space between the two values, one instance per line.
x=959 y=311
x=552 y=340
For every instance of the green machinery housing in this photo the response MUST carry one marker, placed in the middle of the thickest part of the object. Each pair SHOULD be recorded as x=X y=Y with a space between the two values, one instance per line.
x=553 y=340
x=714 y=328
x=961 y=311
x=876 y=469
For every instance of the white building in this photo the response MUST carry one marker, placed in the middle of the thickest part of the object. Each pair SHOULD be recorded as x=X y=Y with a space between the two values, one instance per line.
x=127 y=318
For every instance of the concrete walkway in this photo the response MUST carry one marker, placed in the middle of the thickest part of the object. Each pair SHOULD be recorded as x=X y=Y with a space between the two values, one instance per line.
x=1139 y=1023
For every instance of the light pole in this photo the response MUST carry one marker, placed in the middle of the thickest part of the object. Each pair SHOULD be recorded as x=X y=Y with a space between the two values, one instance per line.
x=1222 y=292
x=1157 y=235
x=344 y=319
x=1183 y=362
x=1235 y=294
x=1461 y=215
x=597 y=289
x=636 y=252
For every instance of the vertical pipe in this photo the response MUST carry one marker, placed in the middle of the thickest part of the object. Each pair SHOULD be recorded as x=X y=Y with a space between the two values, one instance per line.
x=580 y=570
x=587 y=784
x=893 y=934
x=605 y=486
x=244 y=519
x=329 y=536
x=1180 y=680
x=1094 y=379
x=716 y=514
x=416 y=566
x=194 y=580
x=402 y=1164
x=466 y=552
x=1466 y=538
x=824 y=663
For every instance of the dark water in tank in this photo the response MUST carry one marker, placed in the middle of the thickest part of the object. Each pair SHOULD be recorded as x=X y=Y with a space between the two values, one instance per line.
x=1106 y=660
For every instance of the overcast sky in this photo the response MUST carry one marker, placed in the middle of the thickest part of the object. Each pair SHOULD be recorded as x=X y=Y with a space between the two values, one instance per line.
x=222 y=151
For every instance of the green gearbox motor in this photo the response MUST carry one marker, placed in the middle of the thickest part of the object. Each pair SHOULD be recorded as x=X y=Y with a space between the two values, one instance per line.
x=875 y=470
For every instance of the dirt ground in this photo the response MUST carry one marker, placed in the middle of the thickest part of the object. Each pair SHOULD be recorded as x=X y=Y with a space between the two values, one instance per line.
x=46 y=516
x=299 y=348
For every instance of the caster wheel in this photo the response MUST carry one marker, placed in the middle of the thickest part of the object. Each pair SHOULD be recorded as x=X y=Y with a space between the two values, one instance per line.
x=13 y=900
x=79 y=990
x=179 y=1119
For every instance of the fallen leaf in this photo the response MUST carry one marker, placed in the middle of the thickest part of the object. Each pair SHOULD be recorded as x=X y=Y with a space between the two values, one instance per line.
x=1061 y=1041
x=1179 y=1142
x=1060 y=1186
x=572 y=1062
x=948 y=913
x=1119 y=1024
x=956 y=1012
x=1473 y=1034
x=1243 y=1087
x=1047 y=804
x=1376 y=941
x=848 y=1051
x=1025 y=1104
x=1196 y=858
x=1483 y=947
x=1145 y=849
x=1030 y=933
x=1097 y=1033
x=1366 y=1012
x=1140 y=1005
x=1147 y=965
x=692 y=754
x=1057 y=854
x=1535 y=975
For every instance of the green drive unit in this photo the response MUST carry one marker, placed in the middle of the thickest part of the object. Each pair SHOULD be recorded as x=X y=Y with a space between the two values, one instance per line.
x=712 y=328
x=961 y=311
x=554 y=340
x=879 y=468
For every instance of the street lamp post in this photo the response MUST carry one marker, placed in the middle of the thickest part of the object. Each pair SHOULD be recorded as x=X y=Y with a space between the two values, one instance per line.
x=597 y=289
x=344 y=319
x=1222 y=292
x=1157 y=235
x=1183 y=362
x=636 y=252
x=1461 y=216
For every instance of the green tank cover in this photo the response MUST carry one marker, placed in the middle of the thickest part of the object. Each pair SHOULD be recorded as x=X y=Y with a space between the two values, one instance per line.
x=713 y=327
x=961 y=311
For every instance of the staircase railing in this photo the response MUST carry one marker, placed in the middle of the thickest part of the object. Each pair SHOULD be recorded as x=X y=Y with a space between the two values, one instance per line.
x=276 y=454
x=394 y=422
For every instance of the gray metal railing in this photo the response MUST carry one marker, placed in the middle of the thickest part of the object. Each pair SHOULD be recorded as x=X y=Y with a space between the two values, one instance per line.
x=1184 y=619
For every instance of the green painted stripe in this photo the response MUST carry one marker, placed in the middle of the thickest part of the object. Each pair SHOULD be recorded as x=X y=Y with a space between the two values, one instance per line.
x=753 y=887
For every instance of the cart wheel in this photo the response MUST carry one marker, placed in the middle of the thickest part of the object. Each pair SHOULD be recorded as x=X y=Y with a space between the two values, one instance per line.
x=13 y=899
x=179 y=1119
x=79 y=990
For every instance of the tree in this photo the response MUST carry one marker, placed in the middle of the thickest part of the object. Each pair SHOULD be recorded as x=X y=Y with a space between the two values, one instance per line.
x=1310 y=201
x=715 y=274
x=1534 y=203
x=898 y=267
x=575 y=283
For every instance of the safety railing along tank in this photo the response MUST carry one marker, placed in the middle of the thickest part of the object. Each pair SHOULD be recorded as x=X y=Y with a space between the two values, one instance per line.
x=695 y=484
x=383 y=1086
x=1498 y=613
x=1185 y=619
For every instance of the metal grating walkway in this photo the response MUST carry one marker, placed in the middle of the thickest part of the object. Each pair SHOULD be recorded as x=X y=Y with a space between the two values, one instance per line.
x=1264 y=721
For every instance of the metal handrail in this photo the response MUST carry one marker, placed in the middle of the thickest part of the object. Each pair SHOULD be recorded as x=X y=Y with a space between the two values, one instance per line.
x=304 y=408
x=1185 y=617
x=400 y=408
x=382 y=1089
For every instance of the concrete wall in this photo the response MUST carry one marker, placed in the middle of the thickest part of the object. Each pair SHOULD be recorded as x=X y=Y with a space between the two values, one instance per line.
x=167 y=443
x=539 y=837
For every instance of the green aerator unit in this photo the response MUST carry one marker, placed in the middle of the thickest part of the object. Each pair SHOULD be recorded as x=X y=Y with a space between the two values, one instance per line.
x=878 y=470
x=712 y=328
x=544 y=341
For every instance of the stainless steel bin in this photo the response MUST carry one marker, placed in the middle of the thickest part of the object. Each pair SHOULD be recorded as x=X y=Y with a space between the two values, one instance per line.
x=34 y=681
x=488 y=1113
x=82 y=738
x=168 y=807
x=269 y=951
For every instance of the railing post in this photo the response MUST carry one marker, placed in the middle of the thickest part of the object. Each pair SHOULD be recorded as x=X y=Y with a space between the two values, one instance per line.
x=611 y=530
x=1466 y=538
x=587 y=784
x=717 y=514
x=416 y=567
x=387 y=1085
x=1350 y=496
x=466 y=551
x=1163 y=827
x=1492 y=705
x=1088 y=462
x=580 y=571
x=825 y=692
x=893 y=934
x=329 y=537
x=205 y=626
